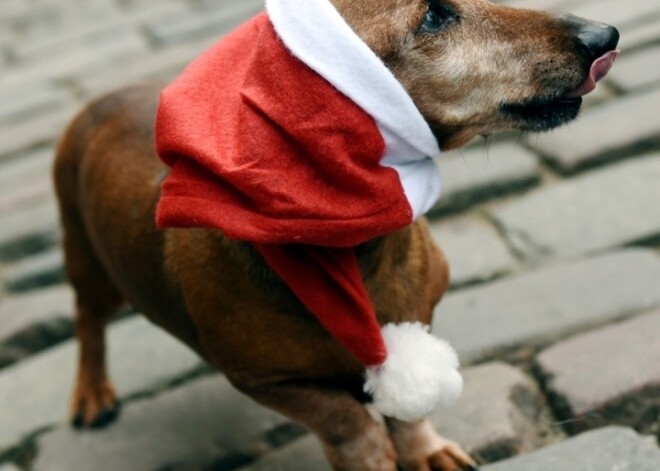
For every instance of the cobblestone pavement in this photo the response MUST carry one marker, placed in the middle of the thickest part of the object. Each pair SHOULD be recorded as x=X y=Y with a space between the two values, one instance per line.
x=554 y=242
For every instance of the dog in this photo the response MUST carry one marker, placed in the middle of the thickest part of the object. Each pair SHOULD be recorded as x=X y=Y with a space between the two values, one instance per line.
x=471 y=68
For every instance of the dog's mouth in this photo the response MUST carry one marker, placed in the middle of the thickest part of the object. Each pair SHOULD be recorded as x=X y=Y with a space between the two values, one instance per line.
x=545 y=113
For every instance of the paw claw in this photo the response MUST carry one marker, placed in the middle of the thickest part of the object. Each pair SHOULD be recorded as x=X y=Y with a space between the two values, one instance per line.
x=105 y=417
x=94 y=406
x=77 y=421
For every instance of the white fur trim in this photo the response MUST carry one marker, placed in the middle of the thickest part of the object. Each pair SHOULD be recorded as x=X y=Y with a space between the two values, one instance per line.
x=420 y=373
x=315 y=32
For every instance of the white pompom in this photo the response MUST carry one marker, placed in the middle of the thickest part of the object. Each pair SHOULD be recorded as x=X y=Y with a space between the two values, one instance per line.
x=420 y=373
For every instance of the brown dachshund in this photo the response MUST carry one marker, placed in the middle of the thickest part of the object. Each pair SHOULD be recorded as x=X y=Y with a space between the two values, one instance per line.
x=471 y=68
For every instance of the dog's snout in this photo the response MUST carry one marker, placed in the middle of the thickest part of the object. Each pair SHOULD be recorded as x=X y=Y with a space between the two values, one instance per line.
x=596 y=38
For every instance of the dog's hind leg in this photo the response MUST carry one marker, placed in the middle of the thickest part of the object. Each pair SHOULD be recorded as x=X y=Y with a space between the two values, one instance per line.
x=420 y=448
x=351 y=438
x=94 y=401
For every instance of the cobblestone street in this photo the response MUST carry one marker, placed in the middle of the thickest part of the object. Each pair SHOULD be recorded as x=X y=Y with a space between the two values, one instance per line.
x=553 y=240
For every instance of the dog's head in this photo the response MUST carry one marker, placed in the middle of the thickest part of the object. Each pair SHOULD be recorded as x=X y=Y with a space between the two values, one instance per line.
x=473 y=67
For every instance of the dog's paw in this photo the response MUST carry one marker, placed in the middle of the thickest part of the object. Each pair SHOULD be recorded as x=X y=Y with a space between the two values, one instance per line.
x=94 y=405
x=422 y=449
x=449 y=458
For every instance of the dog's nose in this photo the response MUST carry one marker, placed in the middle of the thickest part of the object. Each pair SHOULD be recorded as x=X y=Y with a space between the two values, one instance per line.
x=596 y=38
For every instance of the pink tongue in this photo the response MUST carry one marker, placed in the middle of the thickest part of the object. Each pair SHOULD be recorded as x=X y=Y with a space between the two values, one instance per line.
x=599 y=70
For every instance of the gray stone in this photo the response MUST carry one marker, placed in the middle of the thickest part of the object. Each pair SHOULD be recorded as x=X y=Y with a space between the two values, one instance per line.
x=536 y=4
x=475 y=174
x=500 y=414
x=26 y=167
x=610 y=375
x=305 y=454
x=34 y=321
x=69 y=40
x=27 y=192
x=161 y=65
x=45 y=268
x=28 y=230
x=609 y=449
x=640 y=36
x=474 y=249
x=637 y=70
x=602 y=133
x=534 y=308
x=615 y=206
x=41 y=130
x=213 y=23
x=66 y=67
x=43 y=96
x=618 y=13
x=206 y=421
x=8 y=467
x=142 y=358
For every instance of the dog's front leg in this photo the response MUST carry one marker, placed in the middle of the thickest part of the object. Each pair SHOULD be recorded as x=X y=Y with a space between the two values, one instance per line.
x=420 y=448
x=351 y=438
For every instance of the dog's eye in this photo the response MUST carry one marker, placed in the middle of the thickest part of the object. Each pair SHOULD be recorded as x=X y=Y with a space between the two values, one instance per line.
x=438 y=17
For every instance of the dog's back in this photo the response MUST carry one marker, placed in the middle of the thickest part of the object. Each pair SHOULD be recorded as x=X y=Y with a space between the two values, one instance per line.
x=107 y=177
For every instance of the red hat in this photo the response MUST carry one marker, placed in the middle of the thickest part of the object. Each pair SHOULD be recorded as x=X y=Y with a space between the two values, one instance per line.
x=291 y=134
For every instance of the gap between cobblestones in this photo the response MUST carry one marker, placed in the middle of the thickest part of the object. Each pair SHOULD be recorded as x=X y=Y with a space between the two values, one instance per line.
x=631 y=152
x=26 y=450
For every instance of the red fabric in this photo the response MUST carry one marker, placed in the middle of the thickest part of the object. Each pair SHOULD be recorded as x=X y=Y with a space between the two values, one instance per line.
x=267 y=151
x=327 y=280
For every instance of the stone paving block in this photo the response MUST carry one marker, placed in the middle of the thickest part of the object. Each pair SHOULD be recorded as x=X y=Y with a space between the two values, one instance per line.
x=42 y=96
x=161 y=65
x=52 y=17
x=8 y=467
x=90 y=33
x=637 y=70
x=28 y=230
x=42 y=269
x=34 y=321
x=141 y=358
x=618 y=128
x=536 y=4
x=66 y=67
x=97 y=30
x=477 y=173
x=531 y=309
x=206 y=421
x=213 y=23
x=305 y=454
x=609 y=449
x=474 y=249
x=25 y=167
x=618 y=13
x=26 y=192
x=610 y=375
x=42 y=129
x=500 y=414
x=640 y=36
x=617 y=205
x=70 y=40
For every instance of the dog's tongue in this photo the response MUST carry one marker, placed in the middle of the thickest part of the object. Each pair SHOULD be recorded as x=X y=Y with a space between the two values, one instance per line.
x=599 y=70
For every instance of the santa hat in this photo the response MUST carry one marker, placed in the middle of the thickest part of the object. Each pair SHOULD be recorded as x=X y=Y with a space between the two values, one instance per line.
x=291 y=134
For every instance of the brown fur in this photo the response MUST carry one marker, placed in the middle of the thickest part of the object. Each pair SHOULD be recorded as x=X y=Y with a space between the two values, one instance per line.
x=217 y=295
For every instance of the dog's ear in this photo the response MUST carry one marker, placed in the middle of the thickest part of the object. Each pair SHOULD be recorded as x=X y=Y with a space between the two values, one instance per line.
x=383 y=25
